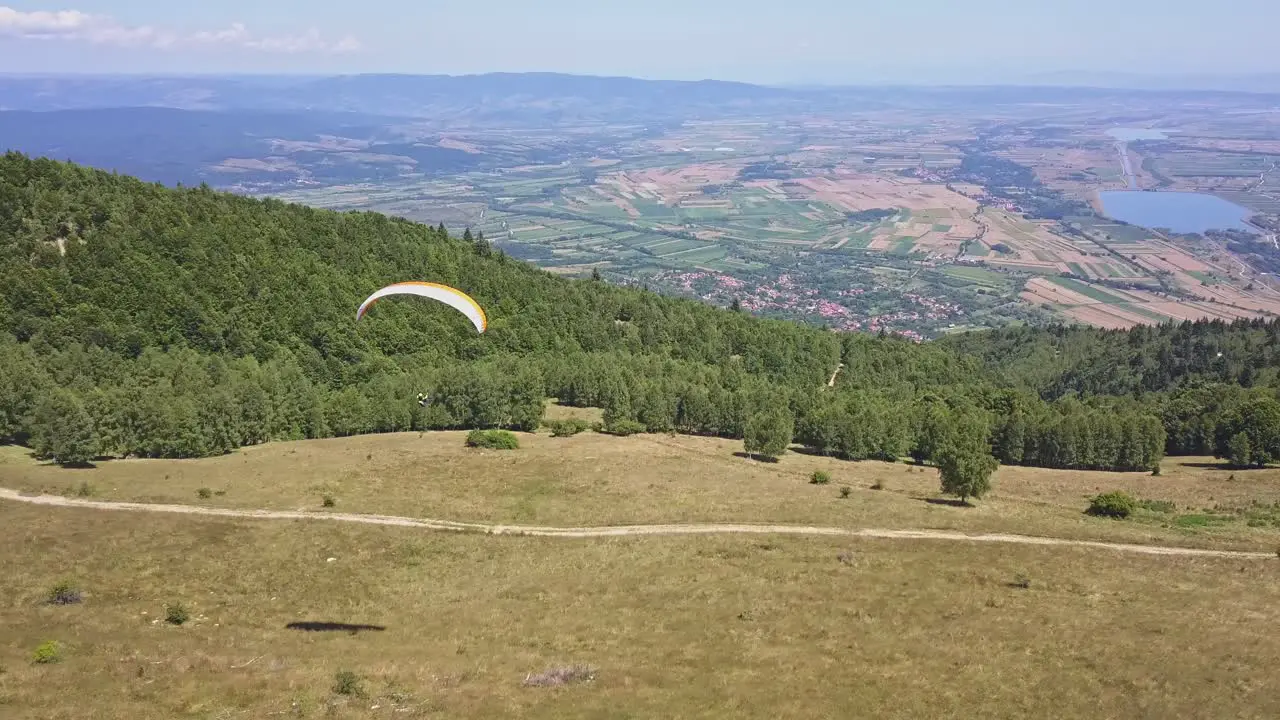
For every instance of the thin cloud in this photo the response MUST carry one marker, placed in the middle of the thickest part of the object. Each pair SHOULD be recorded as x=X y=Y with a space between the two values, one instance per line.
x=76 y=26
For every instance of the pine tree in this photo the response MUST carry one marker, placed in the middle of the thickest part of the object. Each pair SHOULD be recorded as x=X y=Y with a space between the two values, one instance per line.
x=62 y=429
x=965 y=463
x=768 y=434
x=1239 y=451
x=936 y=430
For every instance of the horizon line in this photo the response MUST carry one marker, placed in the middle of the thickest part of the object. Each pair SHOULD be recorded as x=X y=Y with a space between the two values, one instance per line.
x=1028 y=82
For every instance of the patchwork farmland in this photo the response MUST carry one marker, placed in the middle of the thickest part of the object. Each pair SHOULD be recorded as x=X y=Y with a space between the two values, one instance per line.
x=883 y=220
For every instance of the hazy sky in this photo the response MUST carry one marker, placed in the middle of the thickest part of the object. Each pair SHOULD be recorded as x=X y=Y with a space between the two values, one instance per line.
x=753 y=40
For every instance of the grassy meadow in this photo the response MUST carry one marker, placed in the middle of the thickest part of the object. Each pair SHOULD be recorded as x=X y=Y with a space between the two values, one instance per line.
x=594 y=480
x=744 y=626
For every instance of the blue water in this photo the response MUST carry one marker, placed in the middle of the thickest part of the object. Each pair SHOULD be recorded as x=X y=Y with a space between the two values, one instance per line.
x=1183 y=212
x=1132 y=134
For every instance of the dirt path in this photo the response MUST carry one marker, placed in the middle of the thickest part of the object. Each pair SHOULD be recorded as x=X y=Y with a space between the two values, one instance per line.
x=832 y=383
x=693 y=529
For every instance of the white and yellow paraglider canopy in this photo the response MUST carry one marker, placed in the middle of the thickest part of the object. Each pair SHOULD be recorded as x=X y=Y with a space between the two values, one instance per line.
x=452 y=297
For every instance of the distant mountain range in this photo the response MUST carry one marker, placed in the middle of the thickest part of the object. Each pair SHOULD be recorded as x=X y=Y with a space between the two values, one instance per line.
x=544 y=97
x=251 y=131
x=1263 y=83
x=492 y=96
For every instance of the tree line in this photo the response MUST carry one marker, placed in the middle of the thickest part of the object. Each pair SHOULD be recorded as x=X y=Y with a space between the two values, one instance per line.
x=137 y=320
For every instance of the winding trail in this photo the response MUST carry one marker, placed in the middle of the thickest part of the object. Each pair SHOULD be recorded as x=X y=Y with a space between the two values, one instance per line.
x=626 y=530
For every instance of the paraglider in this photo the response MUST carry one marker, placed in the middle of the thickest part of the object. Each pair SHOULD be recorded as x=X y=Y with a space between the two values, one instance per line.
x=452 y=297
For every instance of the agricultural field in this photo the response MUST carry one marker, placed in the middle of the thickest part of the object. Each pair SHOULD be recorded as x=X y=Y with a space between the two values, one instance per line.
x=218 y=616
x=893 y=219
x=1071 y=169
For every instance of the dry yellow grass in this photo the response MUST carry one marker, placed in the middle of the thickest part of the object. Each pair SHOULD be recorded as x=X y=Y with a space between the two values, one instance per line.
x=743 y=627
x=592 y=480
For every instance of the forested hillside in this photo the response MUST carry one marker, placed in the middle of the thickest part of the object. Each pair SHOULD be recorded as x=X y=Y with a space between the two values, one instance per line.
x=144 y=321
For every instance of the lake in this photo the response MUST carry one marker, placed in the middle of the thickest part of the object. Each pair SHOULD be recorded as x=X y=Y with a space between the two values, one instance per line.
x=1134 y=134
x=1184 y=212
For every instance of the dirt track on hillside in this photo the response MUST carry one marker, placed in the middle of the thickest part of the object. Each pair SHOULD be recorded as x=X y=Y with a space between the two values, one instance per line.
x=628 y=530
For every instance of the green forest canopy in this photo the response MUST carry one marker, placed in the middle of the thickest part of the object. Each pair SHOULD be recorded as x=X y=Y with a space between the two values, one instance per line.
x=140 y=320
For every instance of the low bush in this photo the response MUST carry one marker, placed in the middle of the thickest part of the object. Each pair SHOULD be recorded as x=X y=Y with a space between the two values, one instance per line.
x=493 y=440
x=1117 y=504
x=49 y=652
x=176 y=614
x=624 y=428
x=204 y=493
x=568 y=428
x=328 y=501
x=820 y=477
x=347 y=683
x=64 y=593
x=845 y=492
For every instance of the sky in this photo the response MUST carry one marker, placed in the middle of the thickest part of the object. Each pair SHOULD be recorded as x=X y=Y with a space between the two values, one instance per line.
x=765 y=41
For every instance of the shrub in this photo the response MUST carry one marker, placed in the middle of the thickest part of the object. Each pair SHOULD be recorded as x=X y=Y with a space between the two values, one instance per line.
x=328 y=501
x=204 y=493
x=1021 y=581
x=624 y=428
x=64 y=593
x=1115 y=504
x=568 y=428
x=878 y=485
x=820 y=477
x=176 y=614
x=845 y=492
x=85 y=489
x=347 y=683
x=48 y=652
x=493 y=439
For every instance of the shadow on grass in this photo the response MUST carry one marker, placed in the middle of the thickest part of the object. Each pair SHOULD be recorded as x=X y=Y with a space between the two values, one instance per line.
x=1212 y=466
x=308 y=626
x=86 y=465
x=947 y=502
x=812 y=452
x=31 y=455
x=757 y=458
